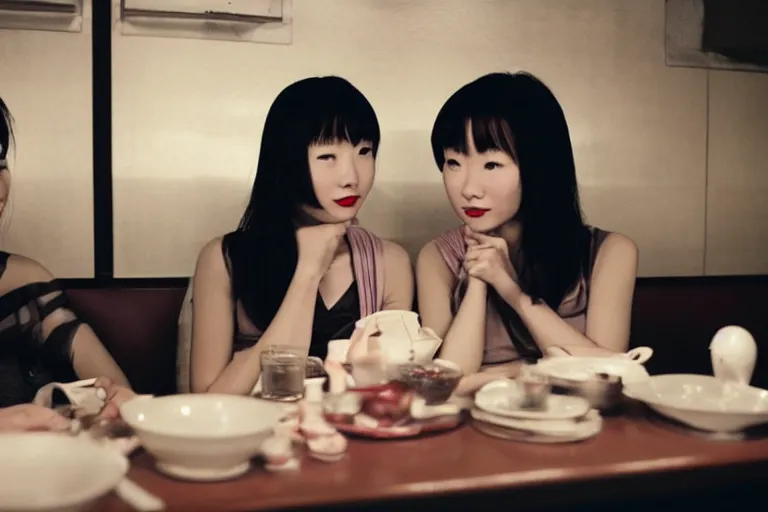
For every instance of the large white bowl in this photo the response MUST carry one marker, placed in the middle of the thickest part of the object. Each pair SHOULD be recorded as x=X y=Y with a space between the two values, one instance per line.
x=702 y=401
x=55 y=472
x=202 y=436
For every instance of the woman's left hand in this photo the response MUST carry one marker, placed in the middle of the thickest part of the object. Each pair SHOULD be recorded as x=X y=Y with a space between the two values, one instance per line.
x=116 y=396
x=488 y=260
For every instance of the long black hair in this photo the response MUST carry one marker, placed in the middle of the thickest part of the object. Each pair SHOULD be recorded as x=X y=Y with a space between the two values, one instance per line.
x=262 y=253
x=6 y=130
x=516 y=113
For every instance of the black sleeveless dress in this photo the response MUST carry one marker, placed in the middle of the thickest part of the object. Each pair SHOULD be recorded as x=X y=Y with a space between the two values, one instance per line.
x=30 y=357
x=336 y=322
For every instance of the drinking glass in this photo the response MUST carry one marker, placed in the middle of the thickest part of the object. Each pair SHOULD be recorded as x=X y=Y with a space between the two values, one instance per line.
x=282 y=373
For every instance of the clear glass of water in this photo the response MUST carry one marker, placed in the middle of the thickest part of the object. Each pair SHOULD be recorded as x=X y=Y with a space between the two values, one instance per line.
x=535 y=386
x=283 y=370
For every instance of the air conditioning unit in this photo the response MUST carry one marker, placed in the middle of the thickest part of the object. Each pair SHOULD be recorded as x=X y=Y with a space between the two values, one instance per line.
x=56 y=15
x=264 y=21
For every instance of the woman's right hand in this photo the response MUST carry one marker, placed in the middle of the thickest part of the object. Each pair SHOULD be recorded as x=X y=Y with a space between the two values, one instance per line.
x=469 y=241
x=30 y=417
x=318 y=246
x=116 y=396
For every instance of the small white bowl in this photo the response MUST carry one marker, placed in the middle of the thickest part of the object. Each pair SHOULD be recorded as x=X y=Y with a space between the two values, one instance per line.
x=202 y=436
x=55 y=472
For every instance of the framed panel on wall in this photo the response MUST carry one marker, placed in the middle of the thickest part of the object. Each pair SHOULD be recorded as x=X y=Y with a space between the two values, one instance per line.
x=46 y=82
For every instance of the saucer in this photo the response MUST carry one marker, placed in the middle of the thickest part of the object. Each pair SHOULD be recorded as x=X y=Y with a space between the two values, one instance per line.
x=561 y=428
x=591 y=428
x=504 y=397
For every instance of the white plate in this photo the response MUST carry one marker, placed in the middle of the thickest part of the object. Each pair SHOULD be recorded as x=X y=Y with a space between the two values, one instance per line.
x=502 y=398
x=55 y=472
x=544 y=427
x=584 y=368
x=589 y=427
x=703 y=401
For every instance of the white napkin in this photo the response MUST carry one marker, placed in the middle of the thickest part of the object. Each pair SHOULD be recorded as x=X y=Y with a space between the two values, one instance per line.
x=82 y=394
x=89 y=400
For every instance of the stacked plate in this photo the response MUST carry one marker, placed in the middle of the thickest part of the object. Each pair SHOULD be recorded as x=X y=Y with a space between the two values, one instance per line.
x=498 y=411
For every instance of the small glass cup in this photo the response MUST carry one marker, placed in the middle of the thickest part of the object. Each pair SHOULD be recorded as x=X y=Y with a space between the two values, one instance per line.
x=535 y=386
x=283 y=370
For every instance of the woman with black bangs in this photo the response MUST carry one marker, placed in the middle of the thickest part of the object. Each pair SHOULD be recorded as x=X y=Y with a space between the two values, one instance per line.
x=296 y=271
x=524 y=276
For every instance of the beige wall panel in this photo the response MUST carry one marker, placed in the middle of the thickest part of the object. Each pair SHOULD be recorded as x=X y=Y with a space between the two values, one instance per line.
x=188 y=116
x=45 y=78
x=737 y=209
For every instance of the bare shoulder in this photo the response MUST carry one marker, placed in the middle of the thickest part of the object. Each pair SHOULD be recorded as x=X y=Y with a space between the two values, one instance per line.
x=211 y=257
x=394 y=254
x=430 y=257
x=618 y=255
x=619 y=246
x=21 y=271
x=21 y=268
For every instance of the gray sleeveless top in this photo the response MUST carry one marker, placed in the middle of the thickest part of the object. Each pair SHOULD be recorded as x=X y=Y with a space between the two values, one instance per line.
x=498 y=345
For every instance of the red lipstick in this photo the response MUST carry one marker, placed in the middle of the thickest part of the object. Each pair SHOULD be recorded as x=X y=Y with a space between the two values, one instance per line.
x=347 y=202
x=475 y=212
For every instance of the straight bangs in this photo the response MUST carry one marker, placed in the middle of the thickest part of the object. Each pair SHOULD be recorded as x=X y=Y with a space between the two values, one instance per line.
x=346 y=116
x=475 y=108
x=488 y=134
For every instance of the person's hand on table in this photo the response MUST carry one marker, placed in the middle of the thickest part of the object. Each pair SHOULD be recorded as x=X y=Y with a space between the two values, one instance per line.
x=116 y=396
x=470 y=384
x=30 y=417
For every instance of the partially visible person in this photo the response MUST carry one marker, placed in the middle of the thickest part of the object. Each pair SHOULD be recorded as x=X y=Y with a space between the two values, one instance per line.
x=41 y=339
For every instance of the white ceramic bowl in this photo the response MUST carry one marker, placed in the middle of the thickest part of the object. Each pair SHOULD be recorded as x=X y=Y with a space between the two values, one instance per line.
x=702 y=401
x=202 y=436
x=582 y=368
x=55 y=472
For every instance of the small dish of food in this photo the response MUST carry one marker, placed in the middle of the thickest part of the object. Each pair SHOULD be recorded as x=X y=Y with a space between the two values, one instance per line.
x=435 y=381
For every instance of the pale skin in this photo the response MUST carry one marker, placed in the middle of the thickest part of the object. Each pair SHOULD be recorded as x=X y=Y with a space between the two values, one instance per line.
x=324 y=266
x=491 y=180
x=29 y=417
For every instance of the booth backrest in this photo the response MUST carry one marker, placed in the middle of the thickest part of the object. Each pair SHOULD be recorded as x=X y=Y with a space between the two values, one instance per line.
x=676 y=317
